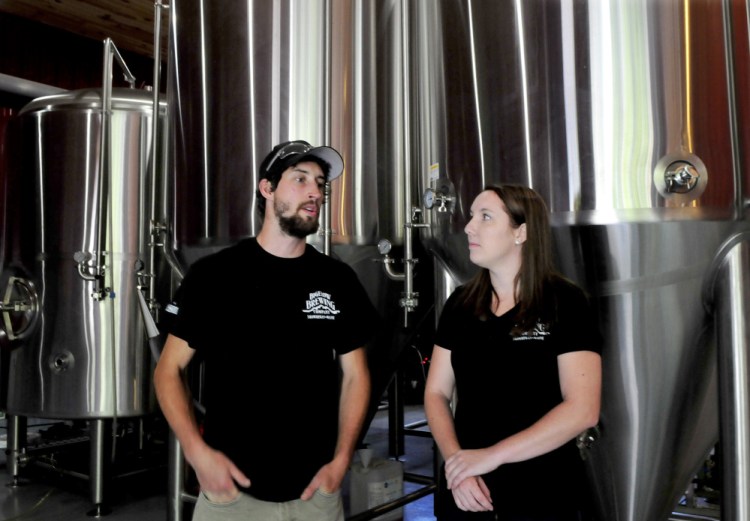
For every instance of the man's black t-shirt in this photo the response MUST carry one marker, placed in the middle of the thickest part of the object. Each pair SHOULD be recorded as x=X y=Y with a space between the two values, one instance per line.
x=270 y=330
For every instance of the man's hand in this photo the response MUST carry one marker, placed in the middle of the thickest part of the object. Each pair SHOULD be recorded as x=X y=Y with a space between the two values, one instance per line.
x=328 y=479
x=217 y=475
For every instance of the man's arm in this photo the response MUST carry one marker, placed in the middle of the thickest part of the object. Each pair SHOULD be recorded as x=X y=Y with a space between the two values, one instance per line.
x=215 y=472
x=354 y=400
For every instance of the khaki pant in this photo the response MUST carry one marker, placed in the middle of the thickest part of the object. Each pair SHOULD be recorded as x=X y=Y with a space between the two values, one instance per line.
x=321 y=507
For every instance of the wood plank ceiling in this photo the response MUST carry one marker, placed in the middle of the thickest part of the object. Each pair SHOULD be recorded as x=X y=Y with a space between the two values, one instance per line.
x=129 y=23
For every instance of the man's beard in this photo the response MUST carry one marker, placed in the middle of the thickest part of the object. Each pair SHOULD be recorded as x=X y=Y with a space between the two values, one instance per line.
x=295 y=225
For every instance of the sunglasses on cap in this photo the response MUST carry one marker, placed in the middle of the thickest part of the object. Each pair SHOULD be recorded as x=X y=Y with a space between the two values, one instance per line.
x=291 y=148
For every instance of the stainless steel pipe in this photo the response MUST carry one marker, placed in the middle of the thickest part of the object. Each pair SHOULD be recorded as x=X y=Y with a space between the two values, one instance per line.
x=728 y=292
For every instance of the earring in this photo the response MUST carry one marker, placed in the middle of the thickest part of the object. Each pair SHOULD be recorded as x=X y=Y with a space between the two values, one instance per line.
x=518 y=242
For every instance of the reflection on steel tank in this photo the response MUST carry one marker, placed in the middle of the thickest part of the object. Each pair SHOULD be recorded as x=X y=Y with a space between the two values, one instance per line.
x=79 y=235
x=6 y=115
x=603 y=107
x=629 y=118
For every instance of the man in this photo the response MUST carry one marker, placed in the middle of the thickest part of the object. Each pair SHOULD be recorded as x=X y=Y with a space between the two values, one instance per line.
x=282 y=330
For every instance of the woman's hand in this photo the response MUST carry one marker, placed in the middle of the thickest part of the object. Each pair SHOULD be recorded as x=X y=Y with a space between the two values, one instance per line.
x=472 y=495
x=467 y=463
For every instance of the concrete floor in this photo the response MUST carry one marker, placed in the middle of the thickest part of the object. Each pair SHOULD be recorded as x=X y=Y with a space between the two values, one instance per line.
x=48 y=495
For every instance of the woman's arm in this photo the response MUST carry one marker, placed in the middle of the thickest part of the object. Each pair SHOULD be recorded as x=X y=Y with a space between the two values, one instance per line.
x=580 y=384
x=471 y=494
x=437 y=401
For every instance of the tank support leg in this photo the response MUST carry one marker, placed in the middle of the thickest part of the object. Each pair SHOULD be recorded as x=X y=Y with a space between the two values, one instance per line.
x=97 y=464
x=16 y=442
x=176 y=483
x=396 y=441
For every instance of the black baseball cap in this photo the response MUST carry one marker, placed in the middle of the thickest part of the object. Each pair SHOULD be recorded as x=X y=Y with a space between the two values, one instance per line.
x=290 y=153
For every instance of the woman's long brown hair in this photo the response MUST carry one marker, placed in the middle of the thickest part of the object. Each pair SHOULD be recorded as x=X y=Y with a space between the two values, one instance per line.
x=524 y=206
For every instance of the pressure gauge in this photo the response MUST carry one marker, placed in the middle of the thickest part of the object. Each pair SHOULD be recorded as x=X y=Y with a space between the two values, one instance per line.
x=429 y=198
x=384 y=246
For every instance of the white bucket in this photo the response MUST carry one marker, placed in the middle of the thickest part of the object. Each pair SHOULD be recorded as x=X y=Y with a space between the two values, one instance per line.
x=374 y=482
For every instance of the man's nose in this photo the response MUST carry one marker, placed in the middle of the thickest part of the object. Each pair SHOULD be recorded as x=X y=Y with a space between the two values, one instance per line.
x=316 y=192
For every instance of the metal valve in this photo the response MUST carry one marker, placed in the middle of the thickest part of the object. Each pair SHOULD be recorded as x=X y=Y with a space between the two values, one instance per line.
x=587 y=439
x=443 y=199
x=681 y=177
x=19 y=308
x=384 y=248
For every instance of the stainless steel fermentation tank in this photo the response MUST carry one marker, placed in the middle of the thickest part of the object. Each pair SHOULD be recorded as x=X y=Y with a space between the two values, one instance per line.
x=83 y=178
x=79 y=239
x=77 y=252
x=629 y=117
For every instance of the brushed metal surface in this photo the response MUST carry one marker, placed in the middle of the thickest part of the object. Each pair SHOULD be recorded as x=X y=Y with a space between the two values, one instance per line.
x=588 y=102
x=87 y=358
x=582 y=101
x=247 y=75
x=728 y=297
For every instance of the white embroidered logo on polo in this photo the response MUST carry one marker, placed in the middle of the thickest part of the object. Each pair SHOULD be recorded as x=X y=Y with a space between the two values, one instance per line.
x=320 y=307
x=537 y=333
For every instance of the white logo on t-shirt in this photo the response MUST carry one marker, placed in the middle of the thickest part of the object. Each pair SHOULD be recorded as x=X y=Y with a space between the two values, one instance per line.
x=320 y=306
x=538 y=332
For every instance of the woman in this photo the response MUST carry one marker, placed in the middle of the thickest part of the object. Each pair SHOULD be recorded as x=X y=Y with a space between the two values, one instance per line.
x=520 y=348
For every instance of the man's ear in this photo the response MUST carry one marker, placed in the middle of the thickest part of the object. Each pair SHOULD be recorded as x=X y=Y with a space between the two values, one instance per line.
x=266 y=187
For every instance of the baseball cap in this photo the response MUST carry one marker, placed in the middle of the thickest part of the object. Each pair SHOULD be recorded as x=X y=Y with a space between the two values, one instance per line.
x=289 y=153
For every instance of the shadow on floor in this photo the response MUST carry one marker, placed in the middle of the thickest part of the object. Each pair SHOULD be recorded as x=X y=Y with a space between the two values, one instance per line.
x=46 y=494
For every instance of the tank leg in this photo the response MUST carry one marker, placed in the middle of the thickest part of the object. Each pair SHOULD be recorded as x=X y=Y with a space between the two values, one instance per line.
x=16 y=443
x=396 y=441
x=176 y=469
x=437 y=466
x=97 y=465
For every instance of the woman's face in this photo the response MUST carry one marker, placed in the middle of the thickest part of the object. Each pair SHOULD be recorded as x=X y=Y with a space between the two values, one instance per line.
x=493 y=240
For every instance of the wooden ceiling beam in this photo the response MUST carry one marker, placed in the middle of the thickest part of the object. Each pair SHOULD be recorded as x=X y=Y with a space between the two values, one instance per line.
x=129 y=23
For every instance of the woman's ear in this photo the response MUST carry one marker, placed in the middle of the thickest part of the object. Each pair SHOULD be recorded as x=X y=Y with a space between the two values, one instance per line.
x=521 y=233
